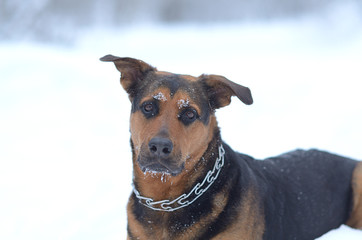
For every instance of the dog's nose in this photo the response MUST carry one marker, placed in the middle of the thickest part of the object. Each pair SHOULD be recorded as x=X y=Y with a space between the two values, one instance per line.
x=161 y=147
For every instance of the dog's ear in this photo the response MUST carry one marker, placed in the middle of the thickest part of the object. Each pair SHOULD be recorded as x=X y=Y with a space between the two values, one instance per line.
x=132 y=71
x=220 y=90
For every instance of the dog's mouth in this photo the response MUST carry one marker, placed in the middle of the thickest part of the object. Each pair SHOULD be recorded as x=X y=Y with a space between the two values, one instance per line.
x=158 y=167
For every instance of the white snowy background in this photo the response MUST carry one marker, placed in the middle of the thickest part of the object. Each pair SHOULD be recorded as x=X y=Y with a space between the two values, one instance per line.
x=65 y=161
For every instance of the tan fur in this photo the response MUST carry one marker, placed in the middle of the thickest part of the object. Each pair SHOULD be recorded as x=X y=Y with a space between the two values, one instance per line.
x=189 y=145
x=158 y=232
x=137 y=230
x=250 y=227
x=219 y=203
x=186 y=150
x=190 y=151
x=355 y=219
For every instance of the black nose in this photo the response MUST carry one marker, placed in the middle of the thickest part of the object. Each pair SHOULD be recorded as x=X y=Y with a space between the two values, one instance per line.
x=161 y=147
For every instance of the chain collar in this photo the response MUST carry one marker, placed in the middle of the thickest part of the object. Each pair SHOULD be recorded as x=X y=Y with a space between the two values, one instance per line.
x=185 y=199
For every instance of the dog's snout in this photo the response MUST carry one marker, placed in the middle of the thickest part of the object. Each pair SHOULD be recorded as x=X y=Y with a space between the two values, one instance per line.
x=161 y=147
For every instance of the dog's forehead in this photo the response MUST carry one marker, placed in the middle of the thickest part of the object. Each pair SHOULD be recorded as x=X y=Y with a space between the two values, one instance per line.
x=174 y=83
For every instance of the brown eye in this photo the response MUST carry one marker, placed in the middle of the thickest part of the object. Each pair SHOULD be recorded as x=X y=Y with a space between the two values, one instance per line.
x=148 y=107
x=190 y=114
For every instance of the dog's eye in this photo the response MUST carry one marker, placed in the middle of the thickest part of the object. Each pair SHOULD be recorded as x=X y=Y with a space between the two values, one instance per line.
x=149 y=109
x=188 y=116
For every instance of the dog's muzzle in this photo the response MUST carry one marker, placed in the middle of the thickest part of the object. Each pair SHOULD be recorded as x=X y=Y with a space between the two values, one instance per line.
x=160 y=157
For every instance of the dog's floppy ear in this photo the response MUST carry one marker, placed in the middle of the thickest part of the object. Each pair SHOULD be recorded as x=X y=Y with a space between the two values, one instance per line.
x=220 y=90
x=132 y=71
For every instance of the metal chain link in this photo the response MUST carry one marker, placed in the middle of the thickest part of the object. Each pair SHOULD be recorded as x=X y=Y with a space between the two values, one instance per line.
x=185 y=199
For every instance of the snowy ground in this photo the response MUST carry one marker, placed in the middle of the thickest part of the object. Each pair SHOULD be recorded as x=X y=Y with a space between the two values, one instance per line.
x=65 y=168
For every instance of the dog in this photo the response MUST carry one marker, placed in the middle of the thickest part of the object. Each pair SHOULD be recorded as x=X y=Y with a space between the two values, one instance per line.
x=189 y=184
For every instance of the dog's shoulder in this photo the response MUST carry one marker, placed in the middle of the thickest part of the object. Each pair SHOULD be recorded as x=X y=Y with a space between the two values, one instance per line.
x=303 y=183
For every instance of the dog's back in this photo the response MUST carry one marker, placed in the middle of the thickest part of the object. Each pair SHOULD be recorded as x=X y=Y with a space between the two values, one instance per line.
x=305 y=193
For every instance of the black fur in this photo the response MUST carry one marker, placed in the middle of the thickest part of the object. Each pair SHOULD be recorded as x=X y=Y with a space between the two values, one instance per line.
x=299 y=195
x=180 y=220
x=303 y=194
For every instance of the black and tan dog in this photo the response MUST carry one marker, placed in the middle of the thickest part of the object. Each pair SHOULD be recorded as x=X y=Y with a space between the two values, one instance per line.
x=189 y=184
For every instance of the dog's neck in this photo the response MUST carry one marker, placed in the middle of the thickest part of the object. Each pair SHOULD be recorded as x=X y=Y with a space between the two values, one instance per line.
x=151 y=188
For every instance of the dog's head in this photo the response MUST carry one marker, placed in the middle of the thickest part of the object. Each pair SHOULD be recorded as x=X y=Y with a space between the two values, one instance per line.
x=172 y=119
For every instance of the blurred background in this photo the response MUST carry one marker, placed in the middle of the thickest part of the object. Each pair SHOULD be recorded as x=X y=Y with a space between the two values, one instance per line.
x=65 y=160
x=63 y=21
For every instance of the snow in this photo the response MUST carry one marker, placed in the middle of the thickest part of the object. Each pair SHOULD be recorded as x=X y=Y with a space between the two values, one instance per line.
x=183 y=103
x=160 y=96
x=65 y=169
